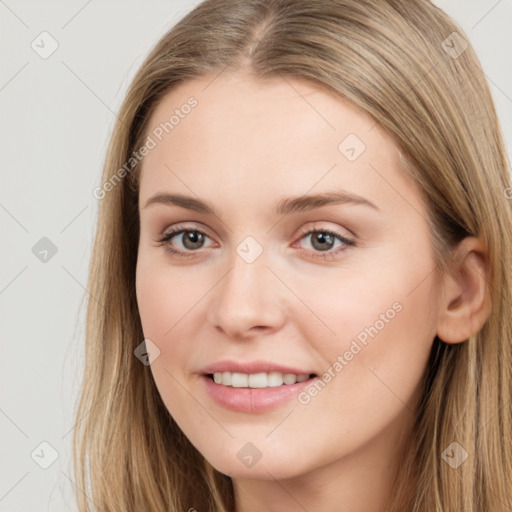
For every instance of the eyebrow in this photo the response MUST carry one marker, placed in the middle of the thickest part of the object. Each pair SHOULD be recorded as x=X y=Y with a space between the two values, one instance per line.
x=284 y=206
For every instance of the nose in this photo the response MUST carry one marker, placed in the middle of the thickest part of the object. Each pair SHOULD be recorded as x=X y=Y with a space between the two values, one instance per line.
x=248 y=300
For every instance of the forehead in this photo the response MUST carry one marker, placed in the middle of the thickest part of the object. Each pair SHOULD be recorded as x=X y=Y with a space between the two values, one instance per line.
x=247 y=135
x=238 y=100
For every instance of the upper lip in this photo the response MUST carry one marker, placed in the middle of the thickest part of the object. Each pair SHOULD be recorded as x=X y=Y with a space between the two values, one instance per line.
x=251 y=367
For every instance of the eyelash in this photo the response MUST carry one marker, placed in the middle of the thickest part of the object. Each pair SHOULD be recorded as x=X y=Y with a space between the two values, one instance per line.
x=319 y=254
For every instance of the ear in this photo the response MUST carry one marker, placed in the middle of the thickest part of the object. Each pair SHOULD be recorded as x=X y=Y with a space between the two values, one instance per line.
x=465 y=303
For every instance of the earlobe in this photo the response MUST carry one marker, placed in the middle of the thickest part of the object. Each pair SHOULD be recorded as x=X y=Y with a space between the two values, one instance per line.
x=465 y=304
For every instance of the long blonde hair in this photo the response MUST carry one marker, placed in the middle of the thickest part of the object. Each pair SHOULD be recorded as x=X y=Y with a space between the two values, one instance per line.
x=401 y=63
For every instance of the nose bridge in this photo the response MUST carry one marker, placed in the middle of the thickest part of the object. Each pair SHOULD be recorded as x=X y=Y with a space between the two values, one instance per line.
x=247 y=296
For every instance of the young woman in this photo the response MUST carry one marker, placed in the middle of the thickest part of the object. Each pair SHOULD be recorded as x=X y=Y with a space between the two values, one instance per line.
x=301 y=274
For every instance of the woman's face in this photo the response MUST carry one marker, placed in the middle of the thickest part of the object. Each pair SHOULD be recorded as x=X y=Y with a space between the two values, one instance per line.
x=317 y=261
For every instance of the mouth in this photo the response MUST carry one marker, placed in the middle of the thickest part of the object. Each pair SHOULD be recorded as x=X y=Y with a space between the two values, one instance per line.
x=259 y=380
x=255 y=392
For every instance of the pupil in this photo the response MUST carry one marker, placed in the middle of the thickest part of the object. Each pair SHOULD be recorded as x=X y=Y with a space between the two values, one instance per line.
x=323 y=238
x=194 y=238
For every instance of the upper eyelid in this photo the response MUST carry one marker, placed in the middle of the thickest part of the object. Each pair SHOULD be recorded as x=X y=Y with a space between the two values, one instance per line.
x=178 y=230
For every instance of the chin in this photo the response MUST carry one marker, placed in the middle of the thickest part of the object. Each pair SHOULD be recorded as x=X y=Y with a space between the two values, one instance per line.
x=242 y=460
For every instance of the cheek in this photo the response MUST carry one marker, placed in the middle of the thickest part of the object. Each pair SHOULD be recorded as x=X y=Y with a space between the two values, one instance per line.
x=373 y=327
x=373 y=368
x=167 y=300
x=164 y=296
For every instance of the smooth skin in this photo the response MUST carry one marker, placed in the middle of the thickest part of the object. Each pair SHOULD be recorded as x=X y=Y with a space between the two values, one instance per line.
x=246 y=146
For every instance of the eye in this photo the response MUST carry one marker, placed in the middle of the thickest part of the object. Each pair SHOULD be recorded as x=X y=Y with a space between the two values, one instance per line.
x=323 y=241
x=190 y=240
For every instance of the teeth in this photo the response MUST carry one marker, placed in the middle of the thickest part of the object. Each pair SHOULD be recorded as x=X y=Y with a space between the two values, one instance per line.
x=239 y=380
x=257 y=380
x=274 y=379
x=289 y=378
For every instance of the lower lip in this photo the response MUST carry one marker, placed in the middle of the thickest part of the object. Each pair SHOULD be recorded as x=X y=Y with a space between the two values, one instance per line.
x=253 y=399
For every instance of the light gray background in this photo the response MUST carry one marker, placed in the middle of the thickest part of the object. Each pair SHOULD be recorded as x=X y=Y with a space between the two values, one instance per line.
x=56 y=117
